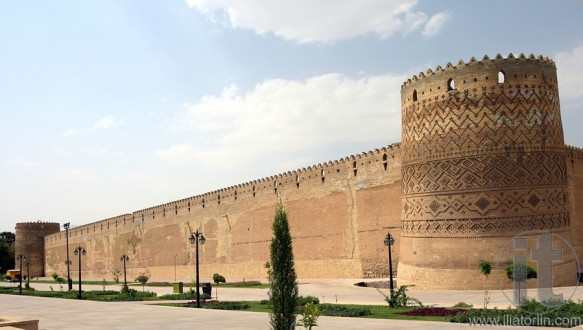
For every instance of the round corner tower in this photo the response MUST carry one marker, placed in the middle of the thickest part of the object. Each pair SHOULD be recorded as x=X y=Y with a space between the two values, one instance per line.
x=30 y=242
x=483 y=161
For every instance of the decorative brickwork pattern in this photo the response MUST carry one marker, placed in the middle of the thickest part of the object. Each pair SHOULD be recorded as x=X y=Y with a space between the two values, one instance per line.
x=510 y=202
x=480 y=227
x=503 y=118
x=492 y=149
x=483 y=160
x=483 y=172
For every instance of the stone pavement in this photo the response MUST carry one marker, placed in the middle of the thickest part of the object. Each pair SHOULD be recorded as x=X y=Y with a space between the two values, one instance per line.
x=75 y=314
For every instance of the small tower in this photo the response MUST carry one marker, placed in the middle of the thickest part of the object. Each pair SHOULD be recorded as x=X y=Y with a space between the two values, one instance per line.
x=30 y=242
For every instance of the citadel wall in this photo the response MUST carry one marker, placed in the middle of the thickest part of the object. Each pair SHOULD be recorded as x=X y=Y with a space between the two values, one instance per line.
x=482 y=160
x=575 y=191
x=339 y=214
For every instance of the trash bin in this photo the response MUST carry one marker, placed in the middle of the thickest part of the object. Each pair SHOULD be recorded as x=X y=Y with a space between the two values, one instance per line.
x=207 y=288
x=177 y=287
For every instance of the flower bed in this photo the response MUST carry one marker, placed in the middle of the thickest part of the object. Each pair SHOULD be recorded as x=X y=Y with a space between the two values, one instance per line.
x=434 y=311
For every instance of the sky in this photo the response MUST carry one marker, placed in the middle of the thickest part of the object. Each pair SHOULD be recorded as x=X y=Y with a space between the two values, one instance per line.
x=109 y=107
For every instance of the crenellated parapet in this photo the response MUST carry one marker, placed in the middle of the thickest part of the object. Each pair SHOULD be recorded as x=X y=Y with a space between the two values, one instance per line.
x=574 y=153
x=350 y=166
x=498 y=61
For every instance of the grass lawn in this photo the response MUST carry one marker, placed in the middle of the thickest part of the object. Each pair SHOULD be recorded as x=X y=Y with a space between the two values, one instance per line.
x=376 y=312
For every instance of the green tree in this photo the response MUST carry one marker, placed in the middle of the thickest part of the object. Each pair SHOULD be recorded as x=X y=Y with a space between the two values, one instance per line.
x=485 y=267
x=283 y=285
x=519 y=272
x=116 y=274
x=6 y=251
x=310 y=317
x=218 y=279
x=143 y=279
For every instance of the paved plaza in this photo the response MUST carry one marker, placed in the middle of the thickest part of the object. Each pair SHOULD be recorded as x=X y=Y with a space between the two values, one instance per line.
x=74 y=314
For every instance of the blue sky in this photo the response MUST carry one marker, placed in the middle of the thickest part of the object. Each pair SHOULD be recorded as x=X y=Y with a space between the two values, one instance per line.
x=109 y=106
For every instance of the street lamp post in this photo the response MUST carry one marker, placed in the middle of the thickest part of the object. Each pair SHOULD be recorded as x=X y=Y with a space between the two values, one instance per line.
x=389 y=240
x=68 y=262
x=80 y=251
x=22 y=259
x=124 y=258
x=194 y=239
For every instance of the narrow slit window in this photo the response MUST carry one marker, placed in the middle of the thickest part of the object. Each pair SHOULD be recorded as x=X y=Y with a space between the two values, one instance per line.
x=501 y=77
x=450 y=84
x=414 y=95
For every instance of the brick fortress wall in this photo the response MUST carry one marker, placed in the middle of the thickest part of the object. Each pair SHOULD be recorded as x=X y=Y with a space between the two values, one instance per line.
x=339 y=214
x=481 y=161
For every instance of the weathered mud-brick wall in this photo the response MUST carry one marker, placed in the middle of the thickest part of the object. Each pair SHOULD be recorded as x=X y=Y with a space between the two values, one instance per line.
x=339 y=214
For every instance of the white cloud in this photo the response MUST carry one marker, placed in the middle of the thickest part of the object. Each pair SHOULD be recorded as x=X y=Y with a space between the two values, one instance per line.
x=70 y=132
x=283 y=115
x=22 y=162
x=107 y=122
x=76 y=175
x=569 y=72
x=325 y=21
x=436 y=23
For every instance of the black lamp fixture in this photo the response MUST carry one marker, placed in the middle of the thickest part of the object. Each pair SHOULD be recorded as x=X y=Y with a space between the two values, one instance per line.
x=22 y=259
x=68 y=261
x=389 y=241
x=80 y=251
x=124 y=258
x=195 y=238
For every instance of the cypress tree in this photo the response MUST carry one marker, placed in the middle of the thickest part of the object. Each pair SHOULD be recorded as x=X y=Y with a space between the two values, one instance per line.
x=283 y=292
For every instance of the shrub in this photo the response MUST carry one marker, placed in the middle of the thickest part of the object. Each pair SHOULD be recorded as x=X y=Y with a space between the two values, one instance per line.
x=339 y=310
x=224 y=305
x=218 y=279
x=116 y=274
x=302 y=301
x=143 y=279
x=462 y=304
x=485 y=267
x=310 y=316
x=399 y=298
x=57 y=278
x=183 y=296
x=521 y=273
